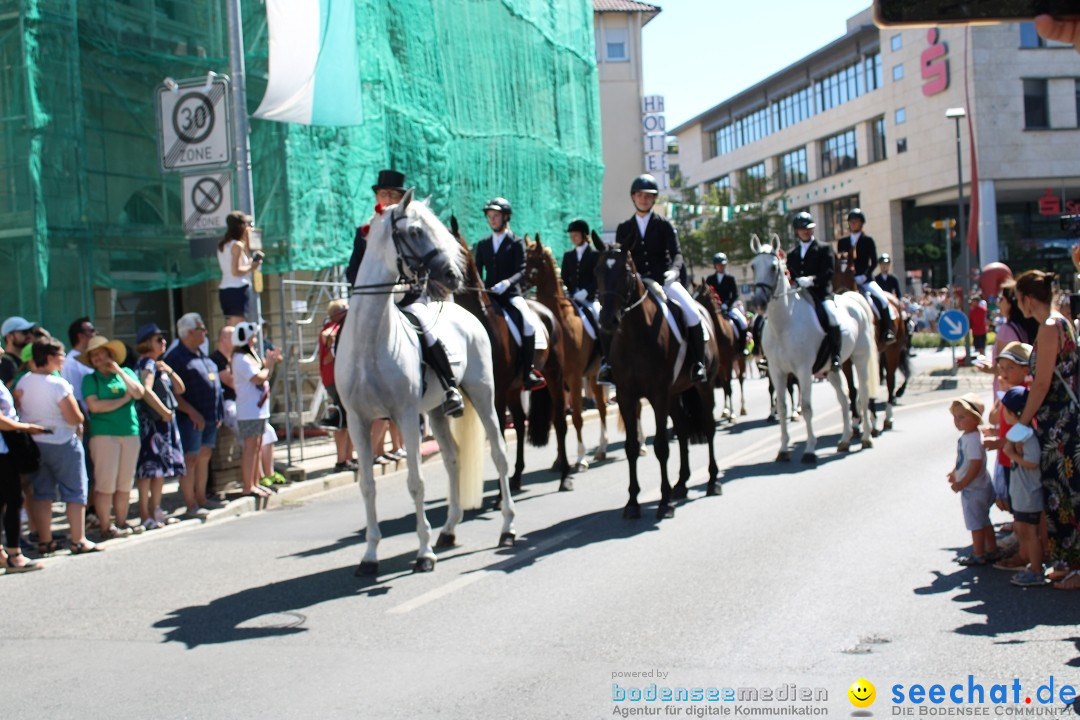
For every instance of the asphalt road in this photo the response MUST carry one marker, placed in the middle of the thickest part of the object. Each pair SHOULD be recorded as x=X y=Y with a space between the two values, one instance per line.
x=806 y=576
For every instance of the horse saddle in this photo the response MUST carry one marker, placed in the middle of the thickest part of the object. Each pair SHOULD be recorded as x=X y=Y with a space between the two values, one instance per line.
x=673 y=312
x=515 y=323
x=588 y=318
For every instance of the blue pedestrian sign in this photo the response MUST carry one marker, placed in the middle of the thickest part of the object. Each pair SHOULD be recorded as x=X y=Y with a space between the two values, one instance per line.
x=953 y=325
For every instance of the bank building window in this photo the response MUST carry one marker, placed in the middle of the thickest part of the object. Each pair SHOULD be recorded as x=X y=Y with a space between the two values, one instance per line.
x=896 y=42
x=898 y=72
x=879 y=139
x=838 y=153
x=793 y=168
x=1036 y=106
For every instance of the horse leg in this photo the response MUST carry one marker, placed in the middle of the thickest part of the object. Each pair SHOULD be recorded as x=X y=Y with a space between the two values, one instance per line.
x=440 y=429
x=660 y=446
x=713 y=487
x=891 y=362
x=640 y=433
x=778 y=380
x=481 y=396
x=845 y=413
x=600 y=396
x=805 y=389
x=360 y=430
x=517 y=412
x=410 y=433
x=864 y=390
x=742 y=390
x=558 y=401
x=679 y=492
x=629 y=410
x=581 y=465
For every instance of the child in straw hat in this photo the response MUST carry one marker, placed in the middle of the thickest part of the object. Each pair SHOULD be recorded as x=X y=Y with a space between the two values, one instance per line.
x=971 y=479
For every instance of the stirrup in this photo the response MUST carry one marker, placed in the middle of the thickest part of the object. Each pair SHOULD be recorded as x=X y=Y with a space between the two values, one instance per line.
x=453 y=404
x=603 y=376
x=534 y=380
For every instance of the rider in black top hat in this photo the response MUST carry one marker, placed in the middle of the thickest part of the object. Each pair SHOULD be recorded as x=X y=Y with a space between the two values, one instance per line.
x=500 y=258
x=812 y=265
x=389 y=189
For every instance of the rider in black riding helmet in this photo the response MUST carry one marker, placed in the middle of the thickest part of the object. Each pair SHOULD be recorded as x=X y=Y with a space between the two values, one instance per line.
x=500 y=257
x=728 y=291
x=654 y=246
x=812 y=265
x=389 y=190
x=862 y=251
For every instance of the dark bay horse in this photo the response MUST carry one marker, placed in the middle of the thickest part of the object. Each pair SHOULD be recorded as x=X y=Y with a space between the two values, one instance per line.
x=731 y=360
x=581 y=351
x=644 y=360
x=547 y=406
x=894 y=356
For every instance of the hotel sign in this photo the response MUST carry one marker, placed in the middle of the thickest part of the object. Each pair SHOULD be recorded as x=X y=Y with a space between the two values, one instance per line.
x=654 y=128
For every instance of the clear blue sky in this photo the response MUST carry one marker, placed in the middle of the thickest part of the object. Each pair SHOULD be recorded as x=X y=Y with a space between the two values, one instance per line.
x=697 y=53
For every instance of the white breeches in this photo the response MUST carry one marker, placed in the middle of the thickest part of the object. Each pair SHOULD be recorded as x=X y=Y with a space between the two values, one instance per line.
x=528 y=319
x=423 y=318
x=830 y=310
x=678 y=293
x=874 y=289
x=738 y=316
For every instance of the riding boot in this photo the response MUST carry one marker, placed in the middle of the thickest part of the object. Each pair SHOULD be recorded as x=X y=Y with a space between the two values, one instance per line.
x=834 y=346
x=453 y=404
x=531 y=377
x=695 y=337
x=603 y=376
x=885 y=331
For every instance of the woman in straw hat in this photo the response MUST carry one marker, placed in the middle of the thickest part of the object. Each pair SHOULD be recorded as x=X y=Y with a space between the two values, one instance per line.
x=110 y=393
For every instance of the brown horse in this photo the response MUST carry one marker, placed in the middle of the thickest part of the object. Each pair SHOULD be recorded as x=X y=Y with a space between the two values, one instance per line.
x=581 y=351
x=546 y=406
x=732 y=361
x=644 y=359
x=894 y=356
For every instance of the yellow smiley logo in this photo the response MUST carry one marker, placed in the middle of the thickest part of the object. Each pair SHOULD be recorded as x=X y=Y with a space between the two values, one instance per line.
x=862 y=693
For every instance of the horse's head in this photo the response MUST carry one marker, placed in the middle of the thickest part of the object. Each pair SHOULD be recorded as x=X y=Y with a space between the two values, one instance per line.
x=540 y=271
x=844 y=271
x=424 y=251
x=768 y=267
x=617 y=284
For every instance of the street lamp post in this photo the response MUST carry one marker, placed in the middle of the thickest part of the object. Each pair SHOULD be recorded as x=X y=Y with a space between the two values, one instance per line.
x=956 y=114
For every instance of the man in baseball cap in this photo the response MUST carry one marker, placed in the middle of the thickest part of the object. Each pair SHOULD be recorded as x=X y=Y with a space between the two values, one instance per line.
x=16 y=332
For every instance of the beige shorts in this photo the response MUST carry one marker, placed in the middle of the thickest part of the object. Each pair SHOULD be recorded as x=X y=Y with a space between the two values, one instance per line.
x=115 y=457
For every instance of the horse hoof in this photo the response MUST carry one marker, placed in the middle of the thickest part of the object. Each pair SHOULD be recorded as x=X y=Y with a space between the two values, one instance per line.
x=566 y=485
x=642 y=452
x=809 y=459
x=515 y=485
x=424 y=564
x=679 y=492
x=446 y=540
x=368 y=568
x=783 y=456
x=867 y=444
x=599 y=457
x=875 y=433
x=631 y=512
x=665 y=512
x=714 y=489
x=582 y=466
x=843 y=447
x=743 y=413
x=887 y=425
x=507 y=539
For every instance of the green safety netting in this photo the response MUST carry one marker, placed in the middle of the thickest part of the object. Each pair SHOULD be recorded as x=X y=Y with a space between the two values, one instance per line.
x=470 y=98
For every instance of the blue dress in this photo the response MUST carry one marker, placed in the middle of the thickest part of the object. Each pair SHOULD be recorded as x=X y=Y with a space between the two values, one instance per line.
x=160 y=451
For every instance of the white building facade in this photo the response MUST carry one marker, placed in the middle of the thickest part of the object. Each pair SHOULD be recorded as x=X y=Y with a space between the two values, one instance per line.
x=862 y=122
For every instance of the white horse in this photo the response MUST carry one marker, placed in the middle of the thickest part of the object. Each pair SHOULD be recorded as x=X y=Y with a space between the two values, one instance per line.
x=791 y=340
x=378 y=373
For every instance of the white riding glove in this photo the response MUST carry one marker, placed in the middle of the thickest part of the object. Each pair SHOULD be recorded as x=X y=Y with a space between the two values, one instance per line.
x=670 y=276
x=500 y=287
x=861 y=279
x=805 y=281
x=581 y=295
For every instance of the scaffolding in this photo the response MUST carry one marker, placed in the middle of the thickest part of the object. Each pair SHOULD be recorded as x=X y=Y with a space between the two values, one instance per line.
x=470 y=98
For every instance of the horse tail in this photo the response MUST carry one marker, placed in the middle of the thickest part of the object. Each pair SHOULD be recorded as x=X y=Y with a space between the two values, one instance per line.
x=695 y=416
x=540 y=411
x=468 y=432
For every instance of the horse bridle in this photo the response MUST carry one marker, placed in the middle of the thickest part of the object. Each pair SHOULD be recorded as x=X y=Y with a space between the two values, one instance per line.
x=410 y=266
x=772 y=288
x=621 y=312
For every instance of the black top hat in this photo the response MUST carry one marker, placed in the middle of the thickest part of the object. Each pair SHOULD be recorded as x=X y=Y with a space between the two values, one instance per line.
x=389 y=180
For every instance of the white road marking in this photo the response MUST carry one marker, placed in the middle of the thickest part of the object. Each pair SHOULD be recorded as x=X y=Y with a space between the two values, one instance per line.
x=466 y=580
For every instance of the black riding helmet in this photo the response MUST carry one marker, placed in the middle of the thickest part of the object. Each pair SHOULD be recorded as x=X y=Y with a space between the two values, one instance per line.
x=578 y=225
x=803 y=220
x=884 y=258
x=719 y=259
x=500 y=204
x=645 y=183
x=856 y=214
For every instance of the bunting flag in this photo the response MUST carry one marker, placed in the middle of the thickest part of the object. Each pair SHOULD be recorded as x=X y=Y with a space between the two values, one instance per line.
x=314 y=63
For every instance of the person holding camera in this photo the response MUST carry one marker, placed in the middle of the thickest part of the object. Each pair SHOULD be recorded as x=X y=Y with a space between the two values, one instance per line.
x=251 y=375
x=237 y=262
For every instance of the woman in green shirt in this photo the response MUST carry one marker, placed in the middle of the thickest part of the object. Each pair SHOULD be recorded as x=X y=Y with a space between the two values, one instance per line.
x=111 y=393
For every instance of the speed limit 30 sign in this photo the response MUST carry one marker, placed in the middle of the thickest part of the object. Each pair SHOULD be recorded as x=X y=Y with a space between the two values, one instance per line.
x=193 y=124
